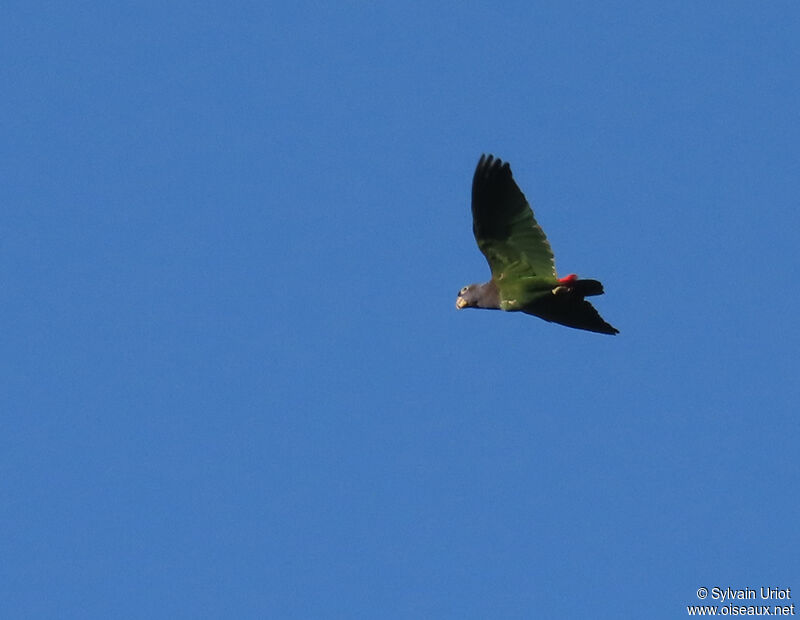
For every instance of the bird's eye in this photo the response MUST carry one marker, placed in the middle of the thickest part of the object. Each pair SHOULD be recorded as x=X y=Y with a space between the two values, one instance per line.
x=463 y=290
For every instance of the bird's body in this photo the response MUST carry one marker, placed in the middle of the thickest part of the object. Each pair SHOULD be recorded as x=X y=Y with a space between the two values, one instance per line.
x=520 y=258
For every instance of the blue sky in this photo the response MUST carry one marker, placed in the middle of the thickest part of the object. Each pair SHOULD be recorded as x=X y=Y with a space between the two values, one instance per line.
x=234 y=380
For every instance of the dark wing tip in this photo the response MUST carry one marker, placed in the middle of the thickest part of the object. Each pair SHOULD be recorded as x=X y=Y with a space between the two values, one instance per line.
x=572 y=311
x=496 y=199
x=490 y=170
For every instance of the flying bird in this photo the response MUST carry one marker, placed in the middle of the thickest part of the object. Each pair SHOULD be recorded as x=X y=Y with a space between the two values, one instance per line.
x=523 y=269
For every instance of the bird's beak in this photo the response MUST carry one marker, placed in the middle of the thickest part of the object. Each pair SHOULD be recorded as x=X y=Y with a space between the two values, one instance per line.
x=461 y=302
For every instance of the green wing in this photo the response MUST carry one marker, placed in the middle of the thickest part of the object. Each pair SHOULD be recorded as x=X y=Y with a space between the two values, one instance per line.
x=505 y=229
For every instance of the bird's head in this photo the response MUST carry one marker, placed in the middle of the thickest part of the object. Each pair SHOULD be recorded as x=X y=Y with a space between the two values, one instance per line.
x=468 y=297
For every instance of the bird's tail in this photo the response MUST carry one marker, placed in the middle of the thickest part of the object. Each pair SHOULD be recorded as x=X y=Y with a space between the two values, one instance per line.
x=587 y=288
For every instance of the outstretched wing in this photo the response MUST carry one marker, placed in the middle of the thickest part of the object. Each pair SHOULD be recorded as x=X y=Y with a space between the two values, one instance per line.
x=504 y=226
x=570 y=310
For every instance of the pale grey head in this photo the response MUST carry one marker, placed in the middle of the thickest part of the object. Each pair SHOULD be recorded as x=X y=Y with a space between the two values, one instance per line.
x=479 y=296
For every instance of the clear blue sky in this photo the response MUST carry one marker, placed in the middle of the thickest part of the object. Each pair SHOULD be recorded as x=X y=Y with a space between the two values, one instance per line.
x=234 y=383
